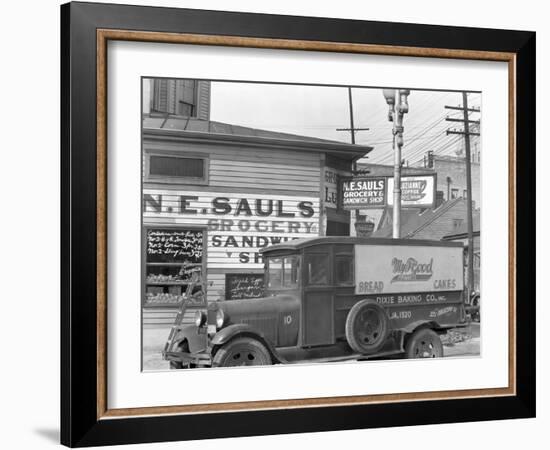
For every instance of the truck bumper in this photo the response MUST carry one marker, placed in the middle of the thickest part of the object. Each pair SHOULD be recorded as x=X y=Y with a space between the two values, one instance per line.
x=188 y=359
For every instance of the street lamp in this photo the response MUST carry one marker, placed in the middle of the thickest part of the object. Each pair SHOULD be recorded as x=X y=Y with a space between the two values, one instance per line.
x=398 y=106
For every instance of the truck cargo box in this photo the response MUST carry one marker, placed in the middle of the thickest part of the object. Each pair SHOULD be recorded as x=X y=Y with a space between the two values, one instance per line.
x=384 y=269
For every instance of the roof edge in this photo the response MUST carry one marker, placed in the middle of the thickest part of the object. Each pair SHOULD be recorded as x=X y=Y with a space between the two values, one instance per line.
x=356 y=151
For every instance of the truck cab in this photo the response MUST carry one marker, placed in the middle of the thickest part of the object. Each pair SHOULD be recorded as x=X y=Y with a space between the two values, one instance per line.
x=335 y=298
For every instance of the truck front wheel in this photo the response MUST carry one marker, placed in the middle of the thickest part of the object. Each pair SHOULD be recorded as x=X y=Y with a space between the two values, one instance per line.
x=424 y=343
x=243 y=351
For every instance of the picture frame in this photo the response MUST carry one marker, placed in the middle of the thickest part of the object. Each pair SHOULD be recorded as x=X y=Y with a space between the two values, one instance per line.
x=86 y=29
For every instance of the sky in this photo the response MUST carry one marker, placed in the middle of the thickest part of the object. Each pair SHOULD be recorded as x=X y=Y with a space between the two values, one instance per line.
x=319 y=110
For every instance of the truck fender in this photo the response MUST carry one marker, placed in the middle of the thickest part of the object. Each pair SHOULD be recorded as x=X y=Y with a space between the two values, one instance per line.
x=413 y=326
x=189 y=333
x=242 y=329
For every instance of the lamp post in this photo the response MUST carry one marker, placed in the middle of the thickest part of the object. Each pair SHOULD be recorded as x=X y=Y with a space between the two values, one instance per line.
x=398 y=106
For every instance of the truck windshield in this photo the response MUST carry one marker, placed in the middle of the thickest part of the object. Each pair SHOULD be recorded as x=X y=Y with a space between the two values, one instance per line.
x=283 y=272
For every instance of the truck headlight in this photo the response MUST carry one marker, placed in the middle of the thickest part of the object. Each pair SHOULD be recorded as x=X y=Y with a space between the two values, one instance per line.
x=200 y=318
x=220 y=318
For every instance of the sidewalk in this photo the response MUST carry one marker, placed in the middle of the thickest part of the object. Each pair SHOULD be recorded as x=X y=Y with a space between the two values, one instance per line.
x=153 y=343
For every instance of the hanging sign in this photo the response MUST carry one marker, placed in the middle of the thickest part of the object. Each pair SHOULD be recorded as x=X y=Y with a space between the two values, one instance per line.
x=377 y=192
x=364 y=192
x=416 y=191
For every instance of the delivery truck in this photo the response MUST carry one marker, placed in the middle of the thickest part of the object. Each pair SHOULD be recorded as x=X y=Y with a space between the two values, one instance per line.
x=333 y=299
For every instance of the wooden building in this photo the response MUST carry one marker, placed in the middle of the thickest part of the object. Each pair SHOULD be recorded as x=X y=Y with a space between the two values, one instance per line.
x=214 y=194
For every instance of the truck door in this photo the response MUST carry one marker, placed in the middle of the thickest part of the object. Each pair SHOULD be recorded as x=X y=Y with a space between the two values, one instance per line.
x=318 y=302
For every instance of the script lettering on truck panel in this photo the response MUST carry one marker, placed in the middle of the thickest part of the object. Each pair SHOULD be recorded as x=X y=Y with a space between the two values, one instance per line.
x=385 y=269
x=238 y=225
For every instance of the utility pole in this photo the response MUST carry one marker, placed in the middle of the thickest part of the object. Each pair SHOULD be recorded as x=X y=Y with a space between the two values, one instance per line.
x=352 y=128
x=398 y=106
x=467 y=133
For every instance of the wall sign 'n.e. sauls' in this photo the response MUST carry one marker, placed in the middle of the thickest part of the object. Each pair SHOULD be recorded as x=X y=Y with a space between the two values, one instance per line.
x=238 y=225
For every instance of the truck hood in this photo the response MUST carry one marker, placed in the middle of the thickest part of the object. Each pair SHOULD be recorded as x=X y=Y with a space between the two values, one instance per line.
x=242 y=311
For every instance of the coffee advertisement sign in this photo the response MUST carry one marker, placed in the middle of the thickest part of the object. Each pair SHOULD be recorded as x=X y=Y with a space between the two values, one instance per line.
x=416 y=191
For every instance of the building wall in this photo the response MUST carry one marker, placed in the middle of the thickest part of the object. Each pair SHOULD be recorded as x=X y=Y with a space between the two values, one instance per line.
x=286 y=183
x=455 y=168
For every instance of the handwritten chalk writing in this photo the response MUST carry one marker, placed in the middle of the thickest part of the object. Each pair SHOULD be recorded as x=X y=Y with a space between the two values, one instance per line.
x=244 y=285
x=165 y=245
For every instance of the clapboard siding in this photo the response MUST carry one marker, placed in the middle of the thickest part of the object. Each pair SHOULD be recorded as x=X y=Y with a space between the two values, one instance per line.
x=237 y=153
x=235 y=167
x=216 y=288
x=166 y=316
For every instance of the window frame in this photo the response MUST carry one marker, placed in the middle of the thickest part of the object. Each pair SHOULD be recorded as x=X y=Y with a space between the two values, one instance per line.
x=307 y=280
x=281 y=285
x=169 y=179
x=455 y=192
x=337 y=281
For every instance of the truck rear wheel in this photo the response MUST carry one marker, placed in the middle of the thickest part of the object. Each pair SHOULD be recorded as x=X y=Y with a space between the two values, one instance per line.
x=367 y=327
x=243 y=351
x=424 y=343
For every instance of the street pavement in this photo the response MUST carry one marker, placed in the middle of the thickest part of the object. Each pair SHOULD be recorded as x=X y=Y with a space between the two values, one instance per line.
x=467 y=342
x=463 y=342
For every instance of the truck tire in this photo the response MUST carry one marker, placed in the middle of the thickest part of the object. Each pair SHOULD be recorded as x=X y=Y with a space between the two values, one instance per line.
x=424 y=343
x=367 y=327
x=242 y=351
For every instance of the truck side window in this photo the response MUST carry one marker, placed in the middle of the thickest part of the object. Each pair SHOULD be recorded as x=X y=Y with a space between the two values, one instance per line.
x=290 y=271
x=344 y=269
x=275 y=273
x=317 y=265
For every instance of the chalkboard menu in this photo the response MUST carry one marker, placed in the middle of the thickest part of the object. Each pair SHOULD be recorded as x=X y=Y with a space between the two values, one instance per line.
x=174 y=246
x=244 y=285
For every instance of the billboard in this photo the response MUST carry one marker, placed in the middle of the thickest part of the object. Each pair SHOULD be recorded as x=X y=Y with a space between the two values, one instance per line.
x=417 y=191
x=382 y=269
